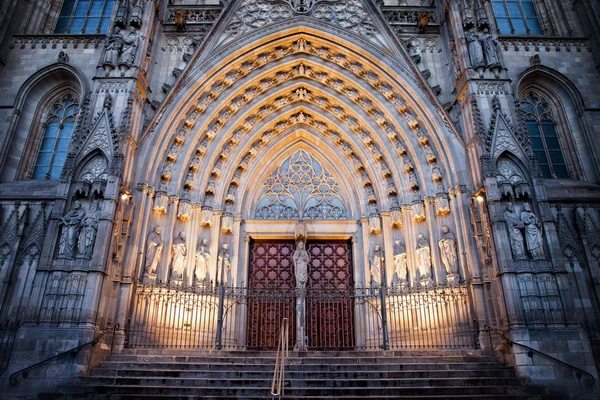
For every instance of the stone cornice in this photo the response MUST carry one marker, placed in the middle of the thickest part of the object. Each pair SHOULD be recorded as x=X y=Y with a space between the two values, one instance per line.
x=53 y=41
x=538 y=43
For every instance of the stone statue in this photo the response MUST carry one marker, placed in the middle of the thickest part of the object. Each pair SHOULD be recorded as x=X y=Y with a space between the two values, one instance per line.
x=447 y=246
x=475 y=49
x=112 y=50
x=514 y=225
x=131 y=44
x=400 y=262
x=301 y=259
x=376 y=266
x=202 y=257
x=423 y=257
x=224 y=261
x=154 y=247
x=70 y=230
x=89 y=230
x=490 y=49
x=179 y=252
x=63 y=57
x=533 y=232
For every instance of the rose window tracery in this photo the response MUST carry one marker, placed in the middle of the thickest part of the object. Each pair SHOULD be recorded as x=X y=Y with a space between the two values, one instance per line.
x=301 y=189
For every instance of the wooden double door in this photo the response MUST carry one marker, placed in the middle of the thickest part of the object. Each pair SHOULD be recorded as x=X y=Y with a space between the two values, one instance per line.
x=329 y=294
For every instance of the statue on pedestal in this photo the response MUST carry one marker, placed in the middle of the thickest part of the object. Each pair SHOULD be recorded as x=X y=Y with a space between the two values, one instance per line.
x=179 y=255
x=447 y=245
x=514 y=225
x=70 y=230
x=533 y=232
x=475 y=49
x=376 y=266
x=112 y=50
x=224 y=261
x=424 y=259
x=490 y=49
x=89 y=230
x=202 y=257
x=301 y=260
x=400 y=263
x=154 y=246
x=131 y=44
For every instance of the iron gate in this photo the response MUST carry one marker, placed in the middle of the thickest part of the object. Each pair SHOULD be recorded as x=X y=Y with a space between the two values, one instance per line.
x=225 y=318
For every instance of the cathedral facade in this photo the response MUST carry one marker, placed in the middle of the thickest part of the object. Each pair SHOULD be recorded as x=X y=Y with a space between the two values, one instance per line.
x=390 y=175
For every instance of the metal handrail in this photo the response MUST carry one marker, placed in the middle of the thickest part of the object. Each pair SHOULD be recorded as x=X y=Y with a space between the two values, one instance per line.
x=25 y=371
x=578 y=371
x=277 y=388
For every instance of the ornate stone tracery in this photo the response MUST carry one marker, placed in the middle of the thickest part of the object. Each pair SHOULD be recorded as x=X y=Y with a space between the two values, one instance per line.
x=301 y=189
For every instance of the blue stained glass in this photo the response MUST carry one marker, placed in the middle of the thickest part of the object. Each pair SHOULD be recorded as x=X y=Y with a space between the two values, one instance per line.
x=52 y=129
x=48 y=144
x=59 y=158
x=556 y=157
x=97 y=6
x=55 y=172
x=537 y=143
x=499 y=9
x=67 y=8
x=44 y=158
x=541 y=156
x=533 y=129
x=519 y=26
x=92 y=25
x=546 y=171
x=548 y=129
x=513 y=9
x=39 y=172
x=82 y=8
x=514 y=21
x=77 y=25
x=504 y=25
x=534 y=26
x=561 y=171
x=62 y=25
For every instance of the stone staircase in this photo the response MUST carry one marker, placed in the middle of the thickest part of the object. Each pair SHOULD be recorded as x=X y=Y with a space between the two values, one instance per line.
x=147 y=374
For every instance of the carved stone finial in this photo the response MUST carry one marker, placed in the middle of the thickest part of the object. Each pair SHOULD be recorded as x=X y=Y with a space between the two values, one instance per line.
x=107 y=102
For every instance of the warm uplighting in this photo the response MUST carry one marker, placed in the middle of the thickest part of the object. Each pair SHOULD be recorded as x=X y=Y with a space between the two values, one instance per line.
x=479 y=198
x=124 y=196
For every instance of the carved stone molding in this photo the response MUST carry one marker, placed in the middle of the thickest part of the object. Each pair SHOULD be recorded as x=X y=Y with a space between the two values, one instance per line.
x=57 y=41
x=547 y=44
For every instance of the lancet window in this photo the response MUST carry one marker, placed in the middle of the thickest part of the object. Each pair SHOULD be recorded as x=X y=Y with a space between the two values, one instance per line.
x=85 y=16
x=544 y=139
x=301 y=188
x=58 y=129
x=516 y=17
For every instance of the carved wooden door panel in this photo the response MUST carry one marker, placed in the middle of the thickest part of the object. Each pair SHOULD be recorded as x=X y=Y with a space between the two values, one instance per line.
x=329 y=297
x=271 y=295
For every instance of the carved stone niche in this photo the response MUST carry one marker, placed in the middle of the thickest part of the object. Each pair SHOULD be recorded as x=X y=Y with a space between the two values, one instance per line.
x=93 y=177
x=442 y=205
x=396 y=215
x=161 y=202
x=185 y=209
x=511 y=179
x=418 y=211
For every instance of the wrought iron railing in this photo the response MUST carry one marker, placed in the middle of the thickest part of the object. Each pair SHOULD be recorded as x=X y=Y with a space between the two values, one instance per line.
x=530 y=351
x=277 y=385
x=334 y=318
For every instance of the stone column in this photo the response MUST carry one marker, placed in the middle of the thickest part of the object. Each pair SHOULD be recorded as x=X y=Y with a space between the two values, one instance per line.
x=162 y=271
x=365 y=270
x=388 y=246
x=237 y=245
x=215 y=229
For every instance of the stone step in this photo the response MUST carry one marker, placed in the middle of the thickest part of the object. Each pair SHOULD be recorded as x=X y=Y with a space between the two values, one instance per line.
x=301 y=360
x=366 y=391
x=310 y=381
x=87 y=396
x=328 y=374
x=332 y=365
x=460 y=352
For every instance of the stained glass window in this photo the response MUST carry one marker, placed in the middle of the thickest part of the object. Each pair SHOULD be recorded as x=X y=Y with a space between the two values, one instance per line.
x=57 y=135
x=85 y=16
x=544 y=138
x=301 y=189
x=516 y=17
